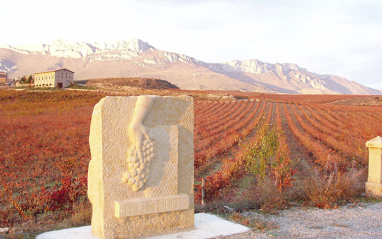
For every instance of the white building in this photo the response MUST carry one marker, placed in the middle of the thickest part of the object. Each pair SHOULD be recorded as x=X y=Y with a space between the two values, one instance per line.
x=59 y=78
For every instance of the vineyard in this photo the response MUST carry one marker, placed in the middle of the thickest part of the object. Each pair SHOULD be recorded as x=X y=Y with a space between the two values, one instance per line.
x=243 y=148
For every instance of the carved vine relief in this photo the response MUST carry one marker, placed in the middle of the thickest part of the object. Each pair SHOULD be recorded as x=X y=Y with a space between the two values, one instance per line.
x=141 y=152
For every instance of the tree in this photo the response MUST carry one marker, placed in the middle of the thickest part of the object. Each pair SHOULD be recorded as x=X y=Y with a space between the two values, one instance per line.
x=23 y=80
x=30 y=79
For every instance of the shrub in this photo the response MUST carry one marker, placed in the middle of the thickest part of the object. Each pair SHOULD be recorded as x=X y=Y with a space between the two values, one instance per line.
x=267 y=197
x=329 y=191
x=268 y=157
x=259 y=155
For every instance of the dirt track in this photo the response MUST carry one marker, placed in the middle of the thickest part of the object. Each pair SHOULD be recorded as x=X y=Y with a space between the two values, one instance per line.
x=351 y=221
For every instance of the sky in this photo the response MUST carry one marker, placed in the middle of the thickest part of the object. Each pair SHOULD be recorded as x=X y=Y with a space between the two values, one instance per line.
x=338 y=37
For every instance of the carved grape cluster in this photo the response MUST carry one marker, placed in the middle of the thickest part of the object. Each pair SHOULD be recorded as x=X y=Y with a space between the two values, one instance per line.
x=139 y=170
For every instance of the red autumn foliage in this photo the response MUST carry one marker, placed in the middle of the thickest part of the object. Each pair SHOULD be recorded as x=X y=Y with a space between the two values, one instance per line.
x=44 y=148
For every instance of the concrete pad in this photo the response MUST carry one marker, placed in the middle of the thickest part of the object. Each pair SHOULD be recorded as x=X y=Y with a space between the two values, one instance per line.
x=206 y=226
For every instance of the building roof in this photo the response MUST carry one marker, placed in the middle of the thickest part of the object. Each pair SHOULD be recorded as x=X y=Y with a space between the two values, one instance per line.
x=54 y=71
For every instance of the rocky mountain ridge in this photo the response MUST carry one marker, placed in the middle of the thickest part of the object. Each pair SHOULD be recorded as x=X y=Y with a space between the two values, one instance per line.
x=117 y=50
x=136 y=58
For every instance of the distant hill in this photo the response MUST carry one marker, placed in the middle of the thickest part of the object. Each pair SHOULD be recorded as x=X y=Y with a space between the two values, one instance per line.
x=130 y=82
x=136 y=58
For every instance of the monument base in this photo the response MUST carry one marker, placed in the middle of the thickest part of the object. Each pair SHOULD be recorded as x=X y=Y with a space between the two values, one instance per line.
x=374 y=189
x=206 y=226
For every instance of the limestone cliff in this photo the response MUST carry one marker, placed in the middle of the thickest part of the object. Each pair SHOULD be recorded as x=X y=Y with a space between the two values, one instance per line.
x=136 y=58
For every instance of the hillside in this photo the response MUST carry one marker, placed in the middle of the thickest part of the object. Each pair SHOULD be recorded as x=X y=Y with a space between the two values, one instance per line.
x=136 y=58
x=125 y=83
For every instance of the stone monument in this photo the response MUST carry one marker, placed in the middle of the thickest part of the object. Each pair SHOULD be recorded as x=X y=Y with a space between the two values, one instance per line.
x=374 y=181
x=140 y=179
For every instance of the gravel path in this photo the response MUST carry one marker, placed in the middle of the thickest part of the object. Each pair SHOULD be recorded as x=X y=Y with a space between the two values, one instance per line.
x=361 y=221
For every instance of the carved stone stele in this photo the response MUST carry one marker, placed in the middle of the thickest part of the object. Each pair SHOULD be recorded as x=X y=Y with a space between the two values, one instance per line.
x=140 y=179
x=374 y=182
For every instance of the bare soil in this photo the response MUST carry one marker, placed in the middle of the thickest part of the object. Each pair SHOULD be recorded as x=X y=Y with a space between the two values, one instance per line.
x=299 y=154
x=361 y=101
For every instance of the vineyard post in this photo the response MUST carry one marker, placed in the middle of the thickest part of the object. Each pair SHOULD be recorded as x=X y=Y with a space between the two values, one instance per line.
x=203 y=190
x=374 y=182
